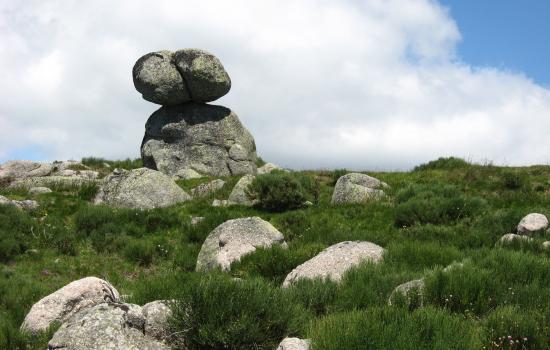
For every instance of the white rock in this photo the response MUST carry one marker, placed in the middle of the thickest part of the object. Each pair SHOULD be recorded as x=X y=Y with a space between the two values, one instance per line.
x=357 y=188
x=19 y=169
x=510 y=237
x=238 y=194
x=294 y=344
x=233 y=239
x=206 y=189
x=65 y=302
x=267 y=168
x=157 y=315
x=335 y=260
x=39 y=190
x=531 y=223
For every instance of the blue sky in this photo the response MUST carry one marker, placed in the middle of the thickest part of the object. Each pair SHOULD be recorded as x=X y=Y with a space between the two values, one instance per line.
x=509 y=34
x=358 y=84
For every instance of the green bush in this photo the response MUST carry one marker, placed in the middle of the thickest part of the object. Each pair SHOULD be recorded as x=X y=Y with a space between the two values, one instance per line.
x=279 y=191
x=88 y=191
x=421 y=204
x=141 y=252
x=443 y=163
x=16 y=229
x=127 y=163
x=514 y=180
x=220 y=313
x=394 y=328
x=336 y=174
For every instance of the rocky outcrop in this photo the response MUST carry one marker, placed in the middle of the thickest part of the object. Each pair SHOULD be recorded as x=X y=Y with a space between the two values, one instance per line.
x=111 y=326
x=172 y=78
x=20 y=169
x=357 y=188
x=207 y=189
x=67 y=301
x=205 y=138
x=139 y=188
x=532 y=223
x=233 y=239
x=239 y=193
x=21 y=204
x=335 y=260
x=294 y=344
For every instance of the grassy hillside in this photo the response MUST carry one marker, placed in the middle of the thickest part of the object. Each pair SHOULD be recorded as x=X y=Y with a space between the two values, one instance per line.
x=442 y=212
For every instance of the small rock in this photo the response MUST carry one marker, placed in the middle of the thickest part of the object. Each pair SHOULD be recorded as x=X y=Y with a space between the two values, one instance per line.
x=412 y=292
x=294 y=344
x=34 y=191
x=157 y=315
x=187 y=174
x=24 y=204
x=357 y=188
x=233 y=239
x=206 y=189
x=238 y=194
x=195 y=220
x=335 y=260
x=220 y=203
x=140 y=188
x=65 y=302
x=510 y=237
x=267 y=168
x=532 y=223
x=546 y=245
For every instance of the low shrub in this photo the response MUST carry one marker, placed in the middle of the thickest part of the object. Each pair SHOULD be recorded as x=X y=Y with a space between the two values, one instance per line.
x=220 y=313
x=514 y=180
x=279 y=191
x=394 y=328
x=141 y=252
x=336 y=174
x=510 y=327
x=443 y=163
x=422 y=204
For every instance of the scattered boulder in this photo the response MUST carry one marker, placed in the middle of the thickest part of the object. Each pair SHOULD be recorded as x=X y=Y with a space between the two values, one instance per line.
x=187 y=174
x=206 y=189
x=156 y=315
x=357 y=188
x=412 y=292
x=267 y=168
x=546 y=245
x=106 y=326
x=74 y=165
x=294 y=344
x=510 y=237
x=34 y=191
x=199 y=137
x=171 y=78
x=532 y=223
x=220 y=203
x=67 y=301
x=20 y=169
x=139 y=188
x=233 y=239
x=24 y=204
x=238 y=194
x=195 y=220
x=335 y=260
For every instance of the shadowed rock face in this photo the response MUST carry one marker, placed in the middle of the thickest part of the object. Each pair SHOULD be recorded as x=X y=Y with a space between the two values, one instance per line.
x=205 y=138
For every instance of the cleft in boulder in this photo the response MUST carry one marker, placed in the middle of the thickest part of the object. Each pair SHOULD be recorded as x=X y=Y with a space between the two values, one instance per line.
x=357 y=188
x=336 y=260
x=141 y=189
x=233 y=239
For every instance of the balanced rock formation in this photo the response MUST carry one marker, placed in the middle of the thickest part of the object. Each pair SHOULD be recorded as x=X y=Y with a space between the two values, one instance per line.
x=357 y=188
x=335 y=260
x=171 y=78
x=532 y=223
x=67 y=301
x=294 y=344
x=139 y=188
x=186 y=137
x=233 y=239
x=205 y=138
x=109 y=326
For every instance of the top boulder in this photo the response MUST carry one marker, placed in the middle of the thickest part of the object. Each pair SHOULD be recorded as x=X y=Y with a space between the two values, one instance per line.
x=171 y=78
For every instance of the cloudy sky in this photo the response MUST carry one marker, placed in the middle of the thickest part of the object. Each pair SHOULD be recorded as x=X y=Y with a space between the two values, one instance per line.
x=363 y=84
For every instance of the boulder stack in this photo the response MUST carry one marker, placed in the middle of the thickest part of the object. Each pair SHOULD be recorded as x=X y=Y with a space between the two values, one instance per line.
x=186 y=134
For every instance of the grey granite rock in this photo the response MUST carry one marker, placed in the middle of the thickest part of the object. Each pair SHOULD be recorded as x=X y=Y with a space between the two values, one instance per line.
x=357 y=188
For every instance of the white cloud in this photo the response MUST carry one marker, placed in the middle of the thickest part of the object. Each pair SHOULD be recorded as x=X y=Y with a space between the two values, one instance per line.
x=360 y=84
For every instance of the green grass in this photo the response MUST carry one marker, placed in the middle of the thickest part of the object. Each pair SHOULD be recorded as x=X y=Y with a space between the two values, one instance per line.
x=442 y=212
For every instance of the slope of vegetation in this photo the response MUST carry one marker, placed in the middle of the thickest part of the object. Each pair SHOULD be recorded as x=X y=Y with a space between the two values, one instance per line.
x=443 y=212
